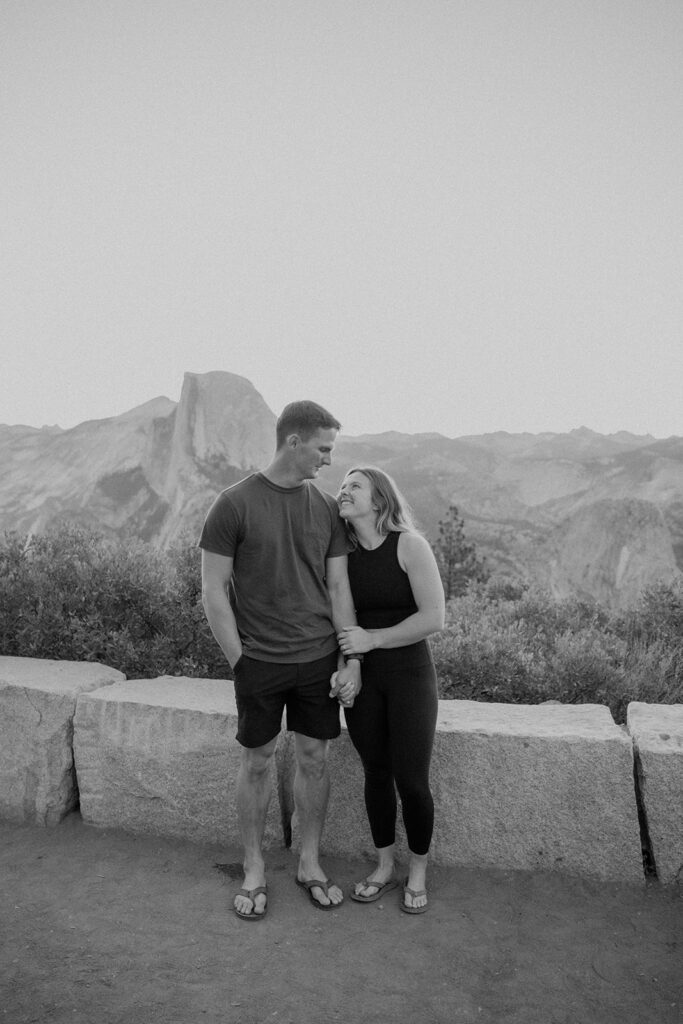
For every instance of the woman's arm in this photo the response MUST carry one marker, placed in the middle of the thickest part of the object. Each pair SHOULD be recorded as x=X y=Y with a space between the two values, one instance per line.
x=417 y=559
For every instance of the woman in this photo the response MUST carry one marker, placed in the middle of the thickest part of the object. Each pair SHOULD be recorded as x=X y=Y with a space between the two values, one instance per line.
x=399 y=601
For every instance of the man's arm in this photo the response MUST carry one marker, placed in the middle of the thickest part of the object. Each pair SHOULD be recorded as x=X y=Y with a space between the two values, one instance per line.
x=216 y=574
x=347 y=680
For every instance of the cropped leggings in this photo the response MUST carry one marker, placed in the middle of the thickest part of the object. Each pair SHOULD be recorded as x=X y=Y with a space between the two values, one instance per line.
x=392 y=725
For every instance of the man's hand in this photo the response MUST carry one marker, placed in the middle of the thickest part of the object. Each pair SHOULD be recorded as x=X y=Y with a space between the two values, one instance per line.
x=346 y=683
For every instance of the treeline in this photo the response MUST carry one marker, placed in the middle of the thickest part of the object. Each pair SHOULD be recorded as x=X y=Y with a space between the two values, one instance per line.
x=73 y=594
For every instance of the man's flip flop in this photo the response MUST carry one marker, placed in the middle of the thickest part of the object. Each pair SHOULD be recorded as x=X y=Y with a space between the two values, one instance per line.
x=316 y=883
x=251 y=894
x=381 y=887
x=413 y=893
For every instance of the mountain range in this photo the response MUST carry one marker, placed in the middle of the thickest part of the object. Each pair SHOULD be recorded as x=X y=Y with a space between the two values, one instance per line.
x=587 y=514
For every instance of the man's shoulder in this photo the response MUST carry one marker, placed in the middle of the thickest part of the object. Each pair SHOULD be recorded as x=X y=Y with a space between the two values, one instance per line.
x=323 y=496
x=234 y=500
x=241 y=489
x=327 y=505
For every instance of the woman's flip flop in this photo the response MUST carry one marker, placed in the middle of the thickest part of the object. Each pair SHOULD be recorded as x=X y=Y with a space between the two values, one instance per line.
x=382 y=888
x=413 y=893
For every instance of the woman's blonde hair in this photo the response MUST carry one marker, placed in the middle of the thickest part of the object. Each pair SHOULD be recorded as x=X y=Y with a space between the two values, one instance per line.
x=394 y=514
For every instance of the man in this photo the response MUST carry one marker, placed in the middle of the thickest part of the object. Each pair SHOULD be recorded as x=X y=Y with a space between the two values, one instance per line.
x=277 y=545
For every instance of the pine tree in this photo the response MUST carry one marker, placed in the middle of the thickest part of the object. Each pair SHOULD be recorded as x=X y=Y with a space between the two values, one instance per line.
x=456 y=556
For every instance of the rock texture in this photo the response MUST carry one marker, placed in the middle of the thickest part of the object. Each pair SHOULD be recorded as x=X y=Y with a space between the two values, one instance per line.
x=609 y=551
x=222 y=431
x=531 y=788
x=547 y=787
x=160 y=756
x=657 y=731
x=153 y=470
x=37 y=705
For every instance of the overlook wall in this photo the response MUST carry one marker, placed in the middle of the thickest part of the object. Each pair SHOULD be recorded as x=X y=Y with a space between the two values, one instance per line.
x=549 y=787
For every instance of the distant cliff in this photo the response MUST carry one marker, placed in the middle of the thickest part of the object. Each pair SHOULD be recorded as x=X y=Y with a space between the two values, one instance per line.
x=608 y=551
x=151 y=471
x=587 y=514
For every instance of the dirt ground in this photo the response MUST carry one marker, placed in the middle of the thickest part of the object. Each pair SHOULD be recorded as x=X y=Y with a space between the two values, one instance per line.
x=98 y=927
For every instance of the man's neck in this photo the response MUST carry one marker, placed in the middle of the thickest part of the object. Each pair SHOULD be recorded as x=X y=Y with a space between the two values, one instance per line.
x=282 y=474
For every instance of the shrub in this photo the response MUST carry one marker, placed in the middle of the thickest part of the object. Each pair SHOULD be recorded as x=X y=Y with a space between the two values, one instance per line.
x=73 y=594
x=523 y=646
x=657 y=616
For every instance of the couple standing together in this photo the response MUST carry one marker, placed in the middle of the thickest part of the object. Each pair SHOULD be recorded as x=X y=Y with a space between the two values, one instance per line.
x=305 y=594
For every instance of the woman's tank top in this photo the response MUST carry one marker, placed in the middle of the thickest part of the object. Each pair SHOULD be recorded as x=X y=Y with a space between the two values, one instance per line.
x=381 y=589
x=382 y=595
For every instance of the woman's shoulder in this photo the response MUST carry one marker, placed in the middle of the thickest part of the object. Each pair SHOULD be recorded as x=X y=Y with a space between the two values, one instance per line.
x=412 y=546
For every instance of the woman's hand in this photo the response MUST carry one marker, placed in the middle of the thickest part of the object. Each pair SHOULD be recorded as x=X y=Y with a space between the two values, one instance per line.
x=345 y=686
x=354 y=640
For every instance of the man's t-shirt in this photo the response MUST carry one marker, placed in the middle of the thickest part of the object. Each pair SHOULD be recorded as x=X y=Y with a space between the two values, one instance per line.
x=279 y=538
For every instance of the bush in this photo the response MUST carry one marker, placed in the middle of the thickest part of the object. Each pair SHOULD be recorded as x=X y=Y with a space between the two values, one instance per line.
x=519 y=645
x=658 y=615
x=74 y=595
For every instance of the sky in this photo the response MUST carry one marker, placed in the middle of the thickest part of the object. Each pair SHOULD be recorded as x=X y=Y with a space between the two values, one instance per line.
x=460 y=216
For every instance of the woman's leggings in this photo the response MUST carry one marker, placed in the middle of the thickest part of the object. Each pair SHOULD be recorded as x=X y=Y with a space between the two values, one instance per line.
x=392 y=725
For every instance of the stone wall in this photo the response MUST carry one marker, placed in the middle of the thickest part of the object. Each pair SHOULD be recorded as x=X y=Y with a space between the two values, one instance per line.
x=657 y=732
x=550 y=787
x=37 y=708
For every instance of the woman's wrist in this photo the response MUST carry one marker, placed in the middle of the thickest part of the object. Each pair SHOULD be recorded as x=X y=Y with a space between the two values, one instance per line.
x=376 y=638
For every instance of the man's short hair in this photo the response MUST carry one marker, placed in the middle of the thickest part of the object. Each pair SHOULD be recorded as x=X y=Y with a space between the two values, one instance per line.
x=304 y=419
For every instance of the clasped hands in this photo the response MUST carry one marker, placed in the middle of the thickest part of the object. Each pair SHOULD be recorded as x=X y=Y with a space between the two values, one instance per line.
x=345 y=683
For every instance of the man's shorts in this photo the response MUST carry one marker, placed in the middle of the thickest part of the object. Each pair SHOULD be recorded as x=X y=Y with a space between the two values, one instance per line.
x=264 y=688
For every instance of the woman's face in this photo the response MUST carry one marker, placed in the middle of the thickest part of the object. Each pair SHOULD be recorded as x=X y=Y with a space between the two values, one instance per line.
x=355 y=497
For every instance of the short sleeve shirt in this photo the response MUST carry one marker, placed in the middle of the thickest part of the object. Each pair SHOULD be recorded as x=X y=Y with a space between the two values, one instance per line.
x=279 y=539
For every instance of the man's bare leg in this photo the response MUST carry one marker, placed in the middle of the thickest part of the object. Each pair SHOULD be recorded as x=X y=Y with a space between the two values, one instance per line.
x=253 y=797
x=311 y=795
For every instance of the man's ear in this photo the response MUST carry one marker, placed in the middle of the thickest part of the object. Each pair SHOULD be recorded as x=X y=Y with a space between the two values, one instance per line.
x=293 y=440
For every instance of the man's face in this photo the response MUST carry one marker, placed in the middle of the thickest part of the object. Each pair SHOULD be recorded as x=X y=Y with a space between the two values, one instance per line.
x=315 y=453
